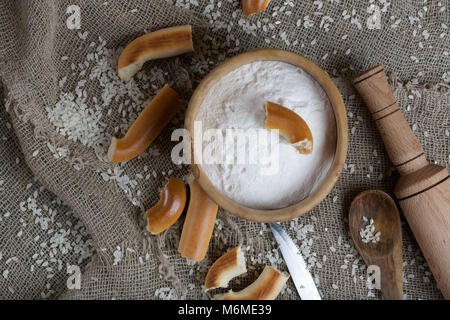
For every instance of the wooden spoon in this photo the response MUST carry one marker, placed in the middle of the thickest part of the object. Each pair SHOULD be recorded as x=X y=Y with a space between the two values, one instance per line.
x=386 y=253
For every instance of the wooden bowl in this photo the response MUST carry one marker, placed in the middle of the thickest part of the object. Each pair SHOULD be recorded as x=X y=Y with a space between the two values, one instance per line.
x=335 y=170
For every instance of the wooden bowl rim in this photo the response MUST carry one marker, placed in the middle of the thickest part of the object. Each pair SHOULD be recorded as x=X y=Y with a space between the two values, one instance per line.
x=302 y=207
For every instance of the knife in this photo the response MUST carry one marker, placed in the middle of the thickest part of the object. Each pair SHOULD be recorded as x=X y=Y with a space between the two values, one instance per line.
x=303 y=280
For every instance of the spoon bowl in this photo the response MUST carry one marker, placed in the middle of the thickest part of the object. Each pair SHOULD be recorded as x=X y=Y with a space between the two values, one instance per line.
x=386 y=252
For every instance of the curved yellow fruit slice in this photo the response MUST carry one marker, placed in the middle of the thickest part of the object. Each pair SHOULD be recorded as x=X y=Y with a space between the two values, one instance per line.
x=198 y=225
x=152 y=120
x=159 y=44
x=267 y=287
x=291 y=126
x=169 y=207
x=254 y=6
x=224 y=269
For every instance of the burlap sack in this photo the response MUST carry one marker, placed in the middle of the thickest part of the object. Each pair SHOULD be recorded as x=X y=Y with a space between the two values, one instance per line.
x=48 y=181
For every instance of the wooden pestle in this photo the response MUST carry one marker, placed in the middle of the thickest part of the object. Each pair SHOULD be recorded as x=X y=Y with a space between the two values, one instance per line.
x=423 y=190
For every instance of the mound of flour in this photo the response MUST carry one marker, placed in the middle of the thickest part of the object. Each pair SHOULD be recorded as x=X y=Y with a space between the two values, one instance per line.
x=237 y=101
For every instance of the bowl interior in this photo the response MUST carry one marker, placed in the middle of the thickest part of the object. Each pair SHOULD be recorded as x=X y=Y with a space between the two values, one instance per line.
x=337 y=104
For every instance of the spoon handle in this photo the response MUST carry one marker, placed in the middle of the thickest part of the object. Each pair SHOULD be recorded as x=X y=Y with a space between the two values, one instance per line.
x=391 y=277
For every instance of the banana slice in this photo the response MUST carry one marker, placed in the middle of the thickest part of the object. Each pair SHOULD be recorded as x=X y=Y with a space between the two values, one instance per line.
x=267 y=287
x=163 y=43
x=169 y=207
x=199 y=223
x=152 y=120
x=254 y=6
x=292 y=127
x=228 y=266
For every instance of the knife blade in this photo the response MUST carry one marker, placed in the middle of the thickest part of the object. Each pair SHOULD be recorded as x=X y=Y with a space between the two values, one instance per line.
x=302 y=278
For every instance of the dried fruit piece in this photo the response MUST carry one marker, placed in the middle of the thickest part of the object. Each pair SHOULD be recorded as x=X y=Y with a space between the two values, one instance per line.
x=267 y=287
x=152 y=120
x=169 y=207
x=292 y=127
x=227 y=267
x=254 y=6
x=198 y=225
x=159 y=44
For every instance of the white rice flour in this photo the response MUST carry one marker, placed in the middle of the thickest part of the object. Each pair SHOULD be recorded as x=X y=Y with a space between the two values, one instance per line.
x=237 y=101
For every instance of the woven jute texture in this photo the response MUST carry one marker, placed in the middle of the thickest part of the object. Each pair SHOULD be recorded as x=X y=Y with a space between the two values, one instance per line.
x=62 y=205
